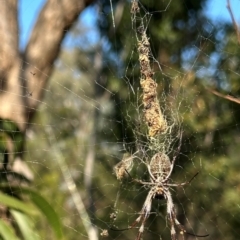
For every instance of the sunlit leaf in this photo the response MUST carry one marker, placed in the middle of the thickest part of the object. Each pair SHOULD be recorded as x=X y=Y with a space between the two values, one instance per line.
x=25 y=225
x=46 y=209
x=13 y=202
x=6 y=231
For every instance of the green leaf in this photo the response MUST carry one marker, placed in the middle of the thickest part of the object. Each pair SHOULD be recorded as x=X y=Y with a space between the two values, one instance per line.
x=11 y=129
x=13 y=202
x=25 y=225
x=6 y=231
x=46 y=209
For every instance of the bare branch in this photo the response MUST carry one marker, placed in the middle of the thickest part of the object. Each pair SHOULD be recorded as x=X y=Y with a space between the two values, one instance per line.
x=228 y=97
x=22 y=81
x=233 y=20
x=9 y=36
x=44 y=45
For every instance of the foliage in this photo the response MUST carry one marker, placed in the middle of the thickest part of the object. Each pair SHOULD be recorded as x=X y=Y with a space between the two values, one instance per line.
x=20 y=209
x=71 y=114
x=181 y=36
x=13 y=195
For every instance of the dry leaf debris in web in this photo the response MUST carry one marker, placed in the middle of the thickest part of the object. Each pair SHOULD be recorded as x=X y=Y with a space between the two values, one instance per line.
x=153 y=115
x=124 y=165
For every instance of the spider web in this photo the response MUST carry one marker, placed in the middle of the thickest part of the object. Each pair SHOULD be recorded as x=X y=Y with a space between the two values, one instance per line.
x=85 y=124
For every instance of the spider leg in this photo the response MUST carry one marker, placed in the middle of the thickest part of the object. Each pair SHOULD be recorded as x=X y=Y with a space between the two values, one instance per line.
x=183 y=230
x=144 y=214
x=170 y=213
x=146 y=209
x=174 y=158
x=130 y=227
x=138 y=181
x=150 y=173
x=173 y=218
x=141 y=229
x=182 y=184
x=142 y=217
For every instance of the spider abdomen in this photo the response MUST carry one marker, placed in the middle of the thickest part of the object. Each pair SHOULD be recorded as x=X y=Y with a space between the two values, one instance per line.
x=160 y=166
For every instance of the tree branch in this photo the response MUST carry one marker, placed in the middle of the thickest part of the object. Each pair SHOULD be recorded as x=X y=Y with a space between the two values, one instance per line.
x=22 y=81
x=233 y=20
x=228 y=97
x=9 y=36
x=10 y=65
x=44 y=45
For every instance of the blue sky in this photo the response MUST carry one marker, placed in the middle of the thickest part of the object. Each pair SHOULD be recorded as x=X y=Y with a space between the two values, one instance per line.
x=217 y=10
x=28 y=10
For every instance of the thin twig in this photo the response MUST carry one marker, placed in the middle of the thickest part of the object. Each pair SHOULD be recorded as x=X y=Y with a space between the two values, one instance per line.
x=112 y=14
x=233 y=20
x=228 y=97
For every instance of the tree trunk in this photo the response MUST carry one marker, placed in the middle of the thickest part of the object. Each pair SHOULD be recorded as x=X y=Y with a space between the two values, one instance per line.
x=24 y=76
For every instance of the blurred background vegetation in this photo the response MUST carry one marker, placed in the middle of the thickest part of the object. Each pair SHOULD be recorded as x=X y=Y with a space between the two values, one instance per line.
x=89 y=114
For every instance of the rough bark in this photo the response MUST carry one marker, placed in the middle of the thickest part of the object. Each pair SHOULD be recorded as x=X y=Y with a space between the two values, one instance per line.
x=21 y=74
x=24 y=76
